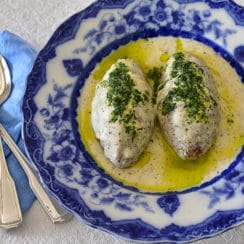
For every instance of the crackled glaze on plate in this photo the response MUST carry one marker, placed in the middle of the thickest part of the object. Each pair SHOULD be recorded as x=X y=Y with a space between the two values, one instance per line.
x=51 y=130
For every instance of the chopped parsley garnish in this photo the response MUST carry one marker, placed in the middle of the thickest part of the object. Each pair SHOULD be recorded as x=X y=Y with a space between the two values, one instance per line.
x=189 y=88
x=230 y=119
x=121 y=93
x=155 y=75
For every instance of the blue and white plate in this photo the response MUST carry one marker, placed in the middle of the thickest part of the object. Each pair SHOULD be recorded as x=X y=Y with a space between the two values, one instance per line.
x=51 y=130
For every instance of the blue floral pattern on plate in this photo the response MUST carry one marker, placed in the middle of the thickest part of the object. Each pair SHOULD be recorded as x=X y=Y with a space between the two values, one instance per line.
x=51 y=130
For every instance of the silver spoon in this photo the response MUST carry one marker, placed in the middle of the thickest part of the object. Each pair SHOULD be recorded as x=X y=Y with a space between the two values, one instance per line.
x=10 y=213
x=56 y=213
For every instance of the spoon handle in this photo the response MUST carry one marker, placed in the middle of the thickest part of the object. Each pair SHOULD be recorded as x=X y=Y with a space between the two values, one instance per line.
x=54 y=210
x=10 y=213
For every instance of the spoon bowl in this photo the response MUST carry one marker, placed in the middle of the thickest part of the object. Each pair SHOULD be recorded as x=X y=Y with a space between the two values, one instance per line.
x=5 y=80
x=10 y=212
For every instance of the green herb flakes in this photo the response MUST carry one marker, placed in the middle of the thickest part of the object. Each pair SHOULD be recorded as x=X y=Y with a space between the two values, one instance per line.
x=121 y=93
x=189 y=88
x=155 y=75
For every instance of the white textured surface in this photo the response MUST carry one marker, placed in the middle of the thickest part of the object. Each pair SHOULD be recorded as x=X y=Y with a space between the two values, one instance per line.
x=35 y=21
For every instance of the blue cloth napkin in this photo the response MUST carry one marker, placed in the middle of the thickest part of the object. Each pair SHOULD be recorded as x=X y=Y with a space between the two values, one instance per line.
x=20 y=57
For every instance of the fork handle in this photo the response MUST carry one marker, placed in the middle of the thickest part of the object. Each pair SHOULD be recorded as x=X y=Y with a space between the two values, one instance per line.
x=10 y=212
x=56 y=213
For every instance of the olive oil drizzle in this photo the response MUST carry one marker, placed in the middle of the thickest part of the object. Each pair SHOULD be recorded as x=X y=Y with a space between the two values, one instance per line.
x=159 y=169
x=121 y=93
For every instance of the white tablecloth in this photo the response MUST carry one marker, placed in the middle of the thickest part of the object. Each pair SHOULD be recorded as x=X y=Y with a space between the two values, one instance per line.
x=35 y=21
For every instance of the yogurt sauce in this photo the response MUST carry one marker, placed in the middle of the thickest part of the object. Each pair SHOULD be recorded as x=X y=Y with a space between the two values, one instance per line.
x=159 y=169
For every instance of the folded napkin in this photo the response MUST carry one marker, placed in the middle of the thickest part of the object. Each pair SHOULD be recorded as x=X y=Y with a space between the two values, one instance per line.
x=20 y=58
